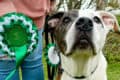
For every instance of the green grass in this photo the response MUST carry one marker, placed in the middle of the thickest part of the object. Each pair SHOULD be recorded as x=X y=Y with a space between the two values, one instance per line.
x=112 y=53
x=113 y=71
x=112 y=48
x=45 y=68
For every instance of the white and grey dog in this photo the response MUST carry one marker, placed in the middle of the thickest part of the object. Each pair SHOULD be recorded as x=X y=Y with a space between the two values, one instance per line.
x=80 y=36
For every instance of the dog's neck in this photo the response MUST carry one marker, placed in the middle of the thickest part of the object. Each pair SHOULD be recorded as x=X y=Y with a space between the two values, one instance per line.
x=79 y=65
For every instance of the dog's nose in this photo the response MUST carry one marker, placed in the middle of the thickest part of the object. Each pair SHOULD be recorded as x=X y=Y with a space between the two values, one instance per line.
x=84 y=24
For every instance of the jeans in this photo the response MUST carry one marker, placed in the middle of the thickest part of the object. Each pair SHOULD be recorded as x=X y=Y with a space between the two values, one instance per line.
x=32 y=68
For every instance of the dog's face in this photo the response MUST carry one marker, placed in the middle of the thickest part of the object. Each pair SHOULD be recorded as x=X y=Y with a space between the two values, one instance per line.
x=82 y=32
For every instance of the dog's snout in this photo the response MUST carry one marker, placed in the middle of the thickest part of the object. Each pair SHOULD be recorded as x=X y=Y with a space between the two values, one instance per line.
x=84 y=24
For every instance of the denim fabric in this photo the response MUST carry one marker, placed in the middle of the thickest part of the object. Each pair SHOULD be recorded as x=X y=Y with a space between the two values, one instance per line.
x=32 y=68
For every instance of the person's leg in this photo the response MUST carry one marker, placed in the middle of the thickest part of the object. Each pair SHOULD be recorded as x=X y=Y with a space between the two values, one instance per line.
x=32 y=68
x=6 y=66
x=32 y=72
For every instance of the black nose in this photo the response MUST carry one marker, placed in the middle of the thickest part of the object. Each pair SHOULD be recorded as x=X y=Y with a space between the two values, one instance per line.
x=84 y=24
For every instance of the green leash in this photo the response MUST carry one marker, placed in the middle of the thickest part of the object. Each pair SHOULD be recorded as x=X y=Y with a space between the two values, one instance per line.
x=18 y=37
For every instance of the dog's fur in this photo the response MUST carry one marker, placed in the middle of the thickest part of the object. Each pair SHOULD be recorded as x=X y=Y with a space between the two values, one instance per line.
x=81 y=50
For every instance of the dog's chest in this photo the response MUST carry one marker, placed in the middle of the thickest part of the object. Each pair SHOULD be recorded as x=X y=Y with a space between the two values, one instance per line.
x=83 y=66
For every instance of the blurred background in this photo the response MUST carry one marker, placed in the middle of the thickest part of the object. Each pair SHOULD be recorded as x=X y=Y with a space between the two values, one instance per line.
x=109 y=5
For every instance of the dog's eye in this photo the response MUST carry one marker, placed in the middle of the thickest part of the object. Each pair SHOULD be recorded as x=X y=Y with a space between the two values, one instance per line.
x=97 y=19
x=66 y=20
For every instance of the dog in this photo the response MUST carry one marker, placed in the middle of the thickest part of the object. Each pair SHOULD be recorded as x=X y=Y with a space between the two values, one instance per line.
x=80 y=36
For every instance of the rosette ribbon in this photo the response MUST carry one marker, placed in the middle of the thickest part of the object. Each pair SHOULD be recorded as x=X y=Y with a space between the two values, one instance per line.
x=52 y=55
x=18 y=37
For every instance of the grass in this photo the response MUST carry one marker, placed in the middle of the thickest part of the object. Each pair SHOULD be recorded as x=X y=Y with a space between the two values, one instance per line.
x=45 y=68
x=112 y=53
x=113 y=71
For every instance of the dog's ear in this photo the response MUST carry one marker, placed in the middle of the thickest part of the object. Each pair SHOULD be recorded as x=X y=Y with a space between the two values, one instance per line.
x=55 y=19
x=109 y=21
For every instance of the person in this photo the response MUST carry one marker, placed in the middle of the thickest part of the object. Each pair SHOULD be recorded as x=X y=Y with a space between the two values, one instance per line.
x=32 y=68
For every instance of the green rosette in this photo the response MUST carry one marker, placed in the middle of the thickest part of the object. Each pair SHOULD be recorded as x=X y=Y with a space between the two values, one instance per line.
x=51 y=54
x=18 y=37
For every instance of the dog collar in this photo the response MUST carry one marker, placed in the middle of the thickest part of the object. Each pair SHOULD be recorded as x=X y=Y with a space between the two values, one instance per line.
x=80 y=77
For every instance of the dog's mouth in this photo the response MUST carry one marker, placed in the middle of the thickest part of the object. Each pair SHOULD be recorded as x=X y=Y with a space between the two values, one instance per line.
x=82 y=44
